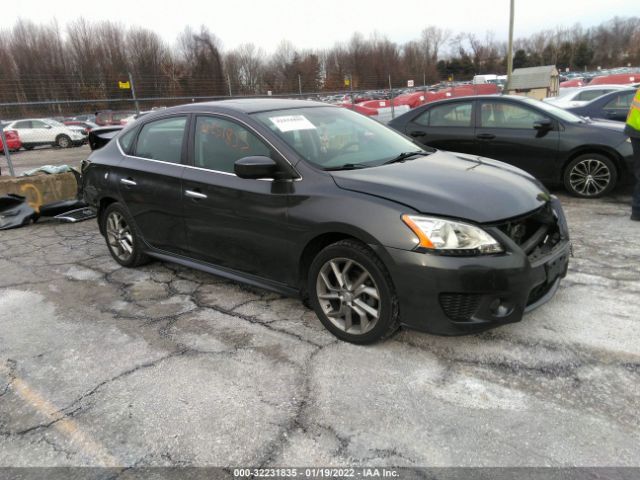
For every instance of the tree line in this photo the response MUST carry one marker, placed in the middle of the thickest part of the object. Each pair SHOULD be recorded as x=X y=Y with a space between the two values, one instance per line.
x=85 y=60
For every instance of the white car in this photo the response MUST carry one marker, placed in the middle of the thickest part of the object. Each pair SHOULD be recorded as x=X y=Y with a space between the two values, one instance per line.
x=44 y=131
x=579 y=96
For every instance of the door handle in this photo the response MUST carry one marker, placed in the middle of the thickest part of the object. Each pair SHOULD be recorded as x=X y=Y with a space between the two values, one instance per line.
x=128 y=181
x=417 y=133
x=485 y=136
x=195 y=195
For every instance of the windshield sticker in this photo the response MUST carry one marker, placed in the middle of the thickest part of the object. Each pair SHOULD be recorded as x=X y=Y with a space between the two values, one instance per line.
x=289 y=123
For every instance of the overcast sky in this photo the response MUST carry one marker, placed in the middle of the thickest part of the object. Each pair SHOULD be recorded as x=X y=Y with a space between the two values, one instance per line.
x=321 y=23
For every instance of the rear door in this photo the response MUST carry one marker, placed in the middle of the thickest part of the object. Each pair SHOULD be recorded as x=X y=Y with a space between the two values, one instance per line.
x=25 y=132
x=506 y=132
x=150 y=180
x=448 y=126
x=232 y=222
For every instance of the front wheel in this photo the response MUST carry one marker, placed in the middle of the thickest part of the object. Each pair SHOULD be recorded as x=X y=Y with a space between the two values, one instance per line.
x=590 y=176
x=63 y=141
x=352 y=293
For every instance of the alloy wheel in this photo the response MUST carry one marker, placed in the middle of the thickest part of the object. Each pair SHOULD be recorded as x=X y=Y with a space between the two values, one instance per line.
x=348 y=295
x=590 y=177
x=119 y=236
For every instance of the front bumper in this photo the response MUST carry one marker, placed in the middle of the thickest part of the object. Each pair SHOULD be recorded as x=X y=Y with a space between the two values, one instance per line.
x=448 y=295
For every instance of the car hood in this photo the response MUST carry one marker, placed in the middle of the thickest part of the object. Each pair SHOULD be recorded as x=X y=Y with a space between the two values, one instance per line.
x=452 y=185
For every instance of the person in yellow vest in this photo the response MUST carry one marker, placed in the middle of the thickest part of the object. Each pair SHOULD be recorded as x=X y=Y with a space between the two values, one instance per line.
x=633 y=130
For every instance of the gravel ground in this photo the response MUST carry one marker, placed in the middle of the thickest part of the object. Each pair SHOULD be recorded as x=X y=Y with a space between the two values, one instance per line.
x=166 y=366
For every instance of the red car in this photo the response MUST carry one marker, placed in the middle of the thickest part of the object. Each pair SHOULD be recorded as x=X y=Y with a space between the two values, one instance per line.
x=13 y=141
x=574 y=82
x=617 y=78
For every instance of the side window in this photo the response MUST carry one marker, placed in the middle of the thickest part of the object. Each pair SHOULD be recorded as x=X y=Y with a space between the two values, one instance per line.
x=22 y=125
x=589 y=95
x=451 y=115
x=38 y=124
x=422 y=119
x=162 y=140
x=126 y=140
x=506 y=115
x=620 y=102
x=219 y=143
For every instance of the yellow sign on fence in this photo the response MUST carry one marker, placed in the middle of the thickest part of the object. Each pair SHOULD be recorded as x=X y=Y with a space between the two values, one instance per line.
x=124 y=85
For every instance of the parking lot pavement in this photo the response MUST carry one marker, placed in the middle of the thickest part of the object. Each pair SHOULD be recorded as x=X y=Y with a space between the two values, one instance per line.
x=102 y=365
x=26 y=160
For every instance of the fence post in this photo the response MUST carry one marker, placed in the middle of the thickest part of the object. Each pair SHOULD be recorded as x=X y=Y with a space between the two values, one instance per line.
x=7 y=155
x=229 y=83
x=393 y=110
x=133 y=93
x=299 y=85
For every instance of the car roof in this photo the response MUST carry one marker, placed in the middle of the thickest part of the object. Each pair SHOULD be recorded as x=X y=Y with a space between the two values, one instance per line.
x=242 y=105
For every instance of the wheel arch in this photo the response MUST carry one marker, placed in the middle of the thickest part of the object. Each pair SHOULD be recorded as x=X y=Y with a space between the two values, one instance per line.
x=323 y=239
x=102 y=206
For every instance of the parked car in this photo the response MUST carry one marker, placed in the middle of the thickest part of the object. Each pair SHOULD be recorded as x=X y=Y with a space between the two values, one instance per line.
x=617 y=78
x=110 y=117
x=45 y=131
x=587 y=157
x=88 y=117
x=83 y=126
x=612 y=106
x=308 y=199
x=580 y=96
x=13 y=141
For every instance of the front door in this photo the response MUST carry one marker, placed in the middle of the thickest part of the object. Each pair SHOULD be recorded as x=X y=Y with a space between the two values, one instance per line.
x=506 y=132
x=232 y=222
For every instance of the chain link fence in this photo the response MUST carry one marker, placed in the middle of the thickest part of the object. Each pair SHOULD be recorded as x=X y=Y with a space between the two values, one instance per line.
x=60 y=112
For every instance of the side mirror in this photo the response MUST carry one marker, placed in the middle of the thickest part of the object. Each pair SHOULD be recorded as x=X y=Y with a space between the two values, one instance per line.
x=255 y=167
x=544 y=124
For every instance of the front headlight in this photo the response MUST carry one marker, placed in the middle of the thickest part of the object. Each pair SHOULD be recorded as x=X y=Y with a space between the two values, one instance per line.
x=449 y=237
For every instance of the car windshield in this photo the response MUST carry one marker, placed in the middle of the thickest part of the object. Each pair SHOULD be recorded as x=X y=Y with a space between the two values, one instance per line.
x=556 y=111
x=333 y=138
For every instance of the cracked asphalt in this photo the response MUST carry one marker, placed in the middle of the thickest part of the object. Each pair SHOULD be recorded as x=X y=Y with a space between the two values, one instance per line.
x=167 y=366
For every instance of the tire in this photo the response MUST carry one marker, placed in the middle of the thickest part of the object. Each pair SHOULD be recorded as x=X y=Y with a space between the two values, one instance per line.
x=591 y=175
x=341 y=308
x=122 y=236
x=63 y=141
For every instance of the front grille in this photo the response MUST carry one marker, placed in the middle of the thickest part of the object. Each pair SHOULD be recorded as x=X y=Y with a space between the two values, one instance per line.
x=460 y=307
x=537 y=234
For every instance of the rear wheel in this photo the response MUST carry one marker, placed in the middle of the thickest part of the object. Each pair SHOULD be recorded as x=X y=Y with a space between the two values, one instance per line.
x=352 y=293
x=591 y=175
x=123 y=239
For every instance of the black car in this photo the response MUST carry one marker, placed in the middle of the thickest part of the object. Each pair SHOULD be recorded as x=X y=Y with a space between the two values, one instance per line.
x=612 y=106
x=557 y=147
x=318 y=201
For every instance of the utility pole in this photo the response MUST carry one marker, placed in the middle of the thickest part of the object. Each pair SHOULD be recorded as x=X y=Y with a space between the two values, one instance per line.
x=510 y=50
x=133 y=93
x=299 y=85
x=229 y=83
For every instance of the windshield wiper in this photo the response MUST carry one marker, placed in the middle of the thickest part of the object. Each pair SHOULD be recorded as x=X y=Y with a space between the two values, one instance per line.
x=404 y=156
x=348 y=166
